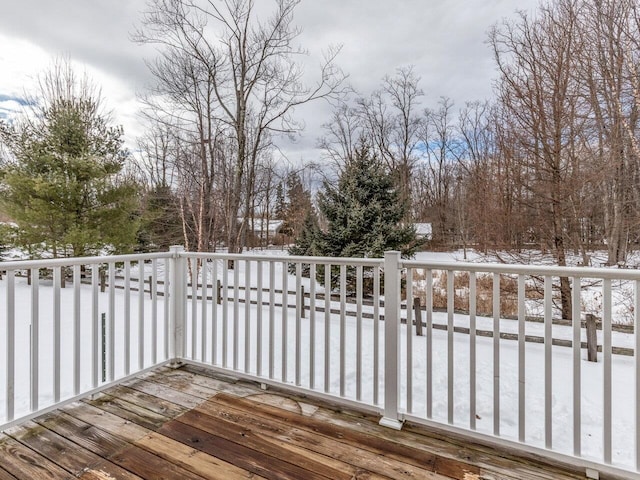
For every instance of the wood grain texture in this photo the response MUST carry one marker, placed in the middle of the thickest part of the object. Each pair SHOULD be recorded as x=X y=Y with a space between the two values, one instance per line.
x=192 y=423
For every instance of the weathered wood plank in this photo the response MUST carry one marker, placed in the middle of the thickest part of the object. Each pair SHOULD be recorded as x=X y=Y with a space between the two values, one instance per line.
x=183 y=383
x=269 y=467
x=108 y=471
x=246 y=437
x=200 y=463
x=150 y=402
x=106 y=421
x=150 y=466
x=4 y=475
x=66 y=454
x=288 y=435
x=25 y=464
x=210 y=384
x=165 y=392
x=94 y=439
x=413 y=456
x=129 y=411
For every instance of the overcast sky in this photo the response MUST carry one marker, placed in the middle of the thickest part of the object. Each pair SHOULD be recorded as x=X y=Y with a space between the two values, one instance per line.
x=445 y=41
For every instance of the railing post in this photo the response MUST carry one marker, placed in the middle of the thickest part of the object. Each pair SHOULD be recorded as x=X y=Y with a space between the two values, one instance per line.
x=178 y=305
x=391 y=340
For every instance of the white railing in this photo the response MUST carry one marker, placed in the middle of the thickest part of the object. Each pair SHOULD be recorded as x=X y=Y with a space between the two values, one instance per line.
x=490 y=357
x=69 y=327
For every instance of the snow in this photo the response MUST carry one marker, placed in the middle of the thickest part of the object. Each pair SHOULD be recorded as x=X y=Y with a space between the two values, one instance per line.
x=623 y=368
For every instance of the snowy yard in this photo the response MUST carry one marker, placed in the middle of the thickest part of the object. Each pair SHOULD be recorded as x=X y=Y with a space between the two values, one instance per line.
x=272 y=321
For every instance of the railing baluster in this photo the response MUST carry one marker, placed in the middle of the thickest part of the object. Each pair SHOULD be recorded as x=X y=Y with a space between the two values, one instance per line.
x=521 y=358
x=247 y=315
x=153 y=287
x=35 y=338
x=429 y=315
x=127 y=317
x=496 y=354
x=376 y=335
x=472 y=350
x=272 y=319
x=359 y=272
x=76 y=329
x=312 y=326
x=327 y=327
x=194 y=307
x=10 y=345
x=225 y=310
x=167 y=289
x=409 y=339
x=141 y=323
x=57 y=280
x=450 y=371
x=548 y=367
x=203 y=310
x=95 y=322
x=343 y=306
x=606 y=360
x=215 y=300
x=285 y=319
x=259 y=319
x=577 y=376
x=299 y=307
x=111 y=342
x=236 y=312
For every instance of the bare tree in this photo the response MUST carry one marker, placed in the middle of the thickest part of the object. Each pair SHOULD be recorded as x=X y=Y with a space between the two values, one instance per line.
x=539 y=90
x=246 y=71
x=392 y=125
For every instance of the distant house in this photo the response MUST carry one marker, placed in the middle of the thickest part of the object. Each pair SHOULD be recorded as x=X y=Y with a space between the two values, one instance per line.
x=270 y=228
x=423 y=230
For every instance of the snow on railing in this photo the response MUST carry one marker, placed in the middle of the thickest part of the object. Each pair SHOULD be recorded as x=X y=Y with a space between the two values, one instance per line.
x=479 y=349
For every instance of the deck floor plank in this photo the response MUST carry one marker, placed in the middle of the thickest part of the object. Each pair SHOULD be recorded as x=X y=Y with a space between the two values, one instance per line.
x=164 y=392
x=127 y=410
x=25 y=464
x=4 y=475
x=288 y=435
x=248 y=438
x=193 y=423
x=256 y=462
x=57 y=449
x=419 y=458
x=148 y=465
x=109 y=471
x=88 y=436
x=207 y=466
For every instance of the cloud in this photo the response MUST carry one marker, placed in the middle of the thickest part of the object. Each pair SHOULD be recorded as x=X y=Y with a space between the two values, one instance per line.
x=443 y=39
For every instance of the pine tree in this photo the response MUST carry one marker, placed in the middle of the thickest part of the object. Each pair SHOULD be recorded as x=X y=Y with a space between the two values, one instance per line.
x=62 y=186
x=364 y=212
x=364 y=216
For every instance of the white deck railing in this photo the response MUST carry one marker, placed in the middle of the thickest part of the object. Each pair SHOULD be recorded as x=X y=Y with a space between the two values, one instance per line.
x=492 y=360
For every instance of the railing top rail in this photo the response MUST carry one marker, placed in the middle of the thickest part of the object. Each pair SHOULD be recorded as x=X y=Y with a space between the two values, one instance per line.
x=542 y=270
x=70 y=261
x=366 y=262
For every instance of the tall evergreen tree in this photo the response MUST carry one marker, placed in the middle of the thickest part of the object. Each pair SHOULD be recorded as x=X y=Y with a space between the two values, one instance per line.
x=62 y=184
x=363 y=213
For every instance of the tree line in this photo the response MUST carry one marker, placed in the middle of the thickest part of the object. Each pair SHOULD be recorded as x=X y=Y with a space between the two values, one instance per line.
x=550 y=162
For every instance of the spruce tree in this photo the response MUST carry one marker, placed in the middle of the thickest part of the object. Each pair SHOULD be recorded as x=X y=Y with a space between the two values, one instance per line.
x=364 y=212
x=62 y=185
x=364 y=215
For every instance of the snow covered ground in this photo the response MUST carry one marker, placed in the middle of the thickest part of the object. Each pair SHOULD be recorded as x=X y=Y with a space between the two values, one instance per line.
x=624 y=394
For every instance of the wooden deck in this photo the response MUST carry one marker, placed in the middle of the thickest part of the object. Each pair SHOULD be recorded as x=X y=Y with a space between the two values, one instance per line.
x=191 y=424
